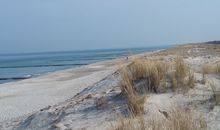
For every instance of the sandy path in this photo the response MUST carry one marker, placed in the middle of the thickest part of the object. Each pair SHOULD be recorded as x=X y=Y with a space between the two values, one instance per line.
x=24 y=97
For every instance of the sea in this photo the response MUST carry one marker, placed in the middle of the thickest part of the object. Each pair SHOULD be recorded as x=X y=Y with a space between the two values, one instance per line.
x=14 y=67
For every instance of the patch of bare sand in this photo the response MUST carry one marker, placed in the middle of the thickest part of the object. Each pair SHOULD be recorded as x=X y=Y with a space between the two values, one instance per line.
x=24 y=97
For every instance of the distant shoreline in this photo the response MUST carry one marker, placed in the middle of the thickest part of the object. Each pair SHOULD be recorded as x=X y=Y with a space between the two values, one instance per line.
x=17 y=71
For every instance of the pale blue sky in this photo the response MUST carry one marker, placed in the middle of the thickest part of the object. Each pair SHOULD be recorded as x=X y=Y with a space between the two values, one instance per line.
x=57 y=25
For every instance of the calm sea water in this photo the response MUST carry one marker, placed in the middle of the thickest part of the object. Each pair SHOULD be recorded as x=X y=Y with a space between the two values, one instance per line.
x=15 y=67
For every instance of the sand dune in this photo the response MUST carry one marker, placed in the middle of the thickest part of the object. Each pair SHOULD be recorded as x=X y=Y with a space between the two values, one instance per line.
x=89 y=97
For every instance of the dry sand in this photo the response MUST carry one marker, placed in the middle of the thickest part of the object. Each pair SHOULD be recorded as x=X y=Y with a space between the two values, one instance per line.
x=84 y=86
x=24 y=97
x=19 y=99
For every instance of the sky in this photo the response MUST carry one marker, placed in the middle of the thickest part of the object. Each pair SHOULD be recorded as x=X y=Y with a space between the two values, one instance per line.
x=59 y=25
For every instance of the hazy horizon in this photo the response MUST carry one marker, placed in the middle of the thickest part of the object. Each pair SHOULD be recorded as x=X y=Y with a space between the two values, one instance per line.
x=28 y=26
x=95 y=49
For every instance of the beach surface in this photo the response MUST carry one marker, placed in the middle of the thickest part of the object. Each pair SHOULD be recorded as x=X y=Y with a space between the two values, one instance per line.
x=24 y=97
x=27 y=96
x=89 y=97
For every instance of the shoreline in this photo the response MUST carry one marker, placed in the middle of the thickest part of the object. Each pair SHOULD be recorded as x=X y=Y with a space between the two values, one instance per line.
x=21 y=98
x=30 y=76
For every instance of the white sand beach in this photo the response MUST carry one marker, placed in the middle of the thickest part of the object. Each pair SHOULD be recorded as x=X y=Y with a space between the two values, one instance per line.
x=89 y=97
x=27 y=96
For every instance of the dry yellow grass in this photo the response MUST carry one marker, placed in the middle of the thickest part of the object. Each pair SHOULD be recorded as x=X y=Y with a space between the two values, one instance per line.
x=182 y=77
x=153 y=77
x=150 y=75
x=218 y=69
x=209 y=69
x=137 y=123
x=205 y=70
x=180 y=70
x=174 y=84
x=150 y=72
x=126 y=84
x=179 y=119
x=138 y=69
x=135 y=102
x=186 y=120
x=183 y=50
x=191 y=79
x=162 y=68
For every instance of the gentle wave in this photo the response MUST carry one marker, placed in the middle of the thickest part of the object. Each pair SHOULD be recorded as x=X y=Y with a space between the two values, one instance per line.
x=17 y=78
x=42 y=65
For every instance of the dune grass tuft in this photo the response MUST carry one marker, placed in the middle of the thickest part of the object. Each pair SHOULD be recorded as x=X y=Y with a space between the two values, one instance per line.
x=179 y=119
x=137 y=78
x=209 y=69
x=151 y=73
x=191 y=79
x=147 y=76
x=135 y=102
x=182 y=77
x=180 y=70
x=141 y=76
x=138 y=69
